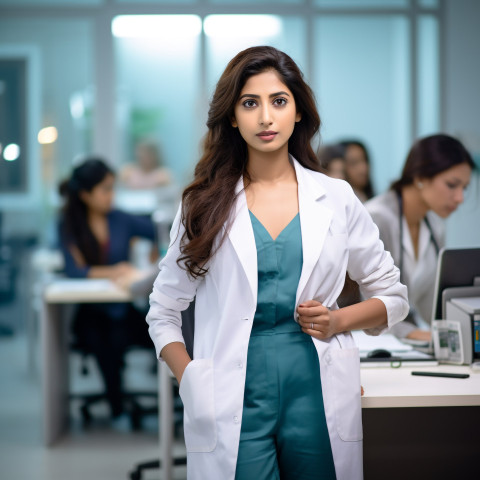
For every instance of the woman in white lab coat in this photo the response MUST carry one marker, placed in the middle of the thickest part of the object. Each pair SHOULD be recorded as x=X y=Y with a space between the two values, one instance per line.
x=263 y=242
x=409 y=217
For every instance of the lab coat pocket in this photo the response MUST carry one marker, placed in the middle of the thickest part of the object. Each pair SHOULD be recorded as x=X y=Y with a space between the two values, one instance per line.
x=345 y=382
x=197 y=394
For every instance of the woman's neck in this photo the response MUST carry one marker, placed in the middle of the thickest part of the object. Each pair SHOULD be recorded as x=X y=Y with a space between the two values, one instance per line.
x=270 y=167
x=414 y=207
x=94 y=216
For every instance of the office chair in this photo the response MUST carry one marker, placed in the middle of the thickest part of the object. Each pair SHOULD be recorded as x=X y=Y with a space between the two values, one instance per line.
x=188 y=330
x=87 y=399
x=131 y=398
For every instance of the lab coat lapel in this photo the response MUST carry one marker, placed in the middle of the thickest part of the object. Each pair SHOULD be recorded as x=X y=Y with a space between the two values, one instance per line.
x=243 y=240
x=315 y=220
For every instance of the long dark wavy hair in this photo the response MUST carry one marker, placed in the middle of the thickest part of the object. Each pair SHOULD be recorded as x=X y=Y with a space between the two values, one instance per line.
x=74 y=228
x=430 y=156
x=208 y=200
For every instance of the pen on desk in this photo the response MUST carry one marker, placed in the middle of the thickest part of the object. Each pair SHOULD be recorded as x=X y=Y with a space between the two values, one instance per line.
x=442 y=374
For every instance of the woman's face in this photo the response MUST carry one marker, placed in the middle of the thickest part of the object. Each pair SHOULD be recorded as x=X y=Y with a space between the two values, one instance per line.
x=265 y=113
x=146 y=158
x=356 y=167
x=336 y=168
x=100 y=198
x=445 y=191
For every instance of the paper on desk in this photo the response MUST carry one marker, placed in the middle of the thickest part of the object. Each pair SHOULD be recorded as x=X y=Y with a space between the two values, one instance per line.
x=74 y=285
x=387 y=341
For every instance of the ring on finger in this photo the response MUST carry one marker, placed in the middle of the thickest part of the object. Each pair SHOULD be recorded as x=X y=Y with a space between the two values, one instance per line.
x=311 y=325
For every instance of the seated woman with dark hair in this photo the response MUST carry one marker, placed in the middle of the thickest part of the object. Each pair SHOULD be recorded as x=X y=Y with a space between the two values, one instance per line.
x=95 y=240
x=409 y=217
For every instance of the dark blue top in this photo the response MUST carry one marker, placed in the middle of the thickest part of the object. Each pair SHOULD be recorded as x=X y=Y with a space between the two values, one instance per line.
x=122 y=227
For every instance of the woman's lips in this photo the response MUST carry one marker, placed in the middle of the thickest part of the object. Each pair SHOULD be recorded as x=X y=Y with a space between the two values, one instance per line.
x=267 y=136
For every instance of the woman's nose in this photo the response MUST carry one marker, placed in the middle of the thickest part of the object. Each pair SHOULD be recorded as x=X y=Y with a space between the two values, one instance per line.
x=459 y=196
x=265 y=116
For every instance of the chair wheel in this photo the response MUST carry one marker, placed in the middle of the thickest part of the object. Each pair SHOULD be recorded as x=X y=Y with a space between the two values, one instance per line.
x=135 y=475
x=86 y=415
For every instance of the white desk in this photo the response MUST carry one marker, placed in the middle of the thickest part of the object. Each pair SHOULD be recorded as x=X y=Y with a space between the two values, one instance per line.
x=420 y=427
x=398 y=388
x=54 y=345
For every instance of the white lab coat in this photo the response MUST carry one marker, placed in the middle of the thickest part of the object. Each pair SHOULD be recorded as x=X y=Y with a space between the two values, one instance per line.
x=337 y=234
x=418 y=274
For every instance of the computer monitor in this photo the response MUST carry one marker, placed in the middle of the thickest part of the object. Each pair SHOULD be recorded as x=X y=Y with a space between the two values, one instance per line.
x=456 y=267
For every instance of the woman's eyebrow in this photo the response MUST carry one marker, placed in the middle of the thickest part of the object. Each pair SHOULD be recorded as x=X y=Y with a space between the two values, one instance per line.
x=251 y=95
x=456 y=180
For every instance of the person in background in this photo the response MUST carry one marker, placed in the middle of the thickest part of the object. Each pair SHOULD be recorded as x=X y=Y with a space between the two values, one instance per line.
x=95 y=240
x=357 y=168
x=409 y=217
x=262 y=241
x=332 y=160
x=148 y=171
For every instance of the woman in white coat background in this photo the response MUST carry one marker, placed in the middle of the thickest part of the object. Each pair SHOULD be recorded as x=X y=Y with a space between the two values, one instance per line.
x=263 y=241
x=409 y=217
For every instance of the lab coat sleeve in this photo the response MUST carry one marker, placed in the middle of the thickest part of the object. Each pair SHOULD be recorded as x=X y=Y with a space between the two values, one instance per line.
x=173 y=291
x=372 y=267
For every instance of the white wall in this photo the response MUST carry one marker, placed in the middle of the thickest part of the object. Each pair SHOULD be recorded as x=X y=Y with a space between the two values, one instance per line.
x=462 y=107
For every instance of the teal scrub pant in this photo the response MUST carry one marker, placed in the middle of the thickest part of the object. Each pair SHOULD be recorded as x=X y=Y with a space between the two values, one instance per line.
x=284 y=432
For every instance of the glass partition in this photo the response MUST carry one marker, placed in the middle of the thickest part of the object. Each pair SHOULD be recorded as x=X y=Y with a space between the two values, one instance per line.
x=362 y=79
x=349 y=4
x=256 y=2
x=428 y=74
x=60 y=56
x=157 y=60
x=226 y=35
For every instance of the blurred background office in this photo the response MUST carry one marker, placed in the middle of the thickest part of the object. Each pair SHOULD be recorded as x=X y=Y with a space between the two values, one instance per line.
x=81 y=77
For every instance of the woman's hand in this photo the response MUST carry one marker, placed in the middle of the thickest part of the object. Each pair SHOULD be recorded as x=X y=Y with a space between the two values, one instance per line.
x=177 y=358
x=124 y=274
x=423 y=335
x=122 y=269
x=316 y=320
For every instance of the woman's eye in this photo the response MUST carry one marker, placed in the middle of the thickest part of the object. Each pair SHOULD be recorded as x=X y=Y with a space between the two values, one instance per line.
x=280 y=102
x=249 y=103
x=452 y=186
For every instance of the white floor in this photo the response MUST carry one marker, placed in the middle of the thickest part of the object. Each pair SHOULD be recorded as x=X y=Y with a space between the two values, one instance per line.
x=97 y=453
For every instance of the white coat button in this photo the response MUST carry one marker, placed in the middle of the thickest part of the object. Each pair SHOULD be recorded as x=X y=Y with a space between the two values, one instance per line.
x=328 y=359
x=235 y=419
x=245 y=318
x=239 y=365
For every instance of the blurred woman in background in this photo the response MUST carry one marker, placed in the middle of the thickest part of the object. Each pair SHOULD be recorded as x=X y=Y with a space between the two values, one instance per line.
x=95 y=240
x=332 y=161
x=357 y=168
x=147 y=172
x=409 y=217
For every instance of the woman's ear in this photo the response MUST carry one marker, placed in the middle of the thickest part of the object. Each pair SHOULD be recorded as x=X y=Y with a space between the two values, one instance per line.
x=234 y=123
x=298 y=117
x=420 y=182
x=84 y=196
